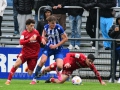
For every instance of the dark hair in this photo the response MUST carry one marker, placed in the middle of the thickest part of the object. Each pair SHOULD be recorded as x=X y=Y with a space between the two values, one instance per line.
x=91 y=56
x=51 y=18
x=29 y=21
x=48 y=9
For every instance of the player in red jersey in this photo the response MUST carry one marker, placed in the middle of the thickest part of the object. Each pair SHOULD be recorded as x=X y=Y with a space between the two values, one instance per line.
x=71 y=62
x=30 y=39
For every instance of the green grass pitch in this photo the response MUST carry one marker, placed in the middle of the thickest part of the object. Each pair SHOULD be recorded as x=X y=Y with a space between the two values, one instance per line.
x=24 y=85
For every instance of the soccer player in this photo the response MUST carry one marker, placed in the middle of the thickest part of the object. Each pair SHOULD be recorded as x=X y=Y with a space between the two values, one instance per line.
x=30 y=39
x=56 y=37
x=71 y=62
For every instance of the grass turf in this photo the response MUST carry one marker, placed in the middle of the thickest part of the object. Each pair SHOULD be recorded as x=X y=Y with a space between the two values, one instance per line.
x=24 y=85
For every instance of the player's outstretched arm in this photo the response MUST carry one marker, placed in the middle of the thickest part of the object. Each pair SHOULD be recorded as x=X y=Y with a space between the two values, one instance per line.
x=67 y=65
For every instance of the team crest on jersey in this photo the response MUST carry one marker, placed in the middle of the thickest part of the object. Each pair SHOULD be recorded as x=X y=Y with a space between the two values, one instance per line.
x=45 y=51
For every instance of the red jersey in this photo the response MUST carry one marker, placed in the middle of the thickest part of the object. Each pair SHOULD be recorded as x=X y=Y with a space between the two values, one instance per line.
x=77 y=63
x=30 y=48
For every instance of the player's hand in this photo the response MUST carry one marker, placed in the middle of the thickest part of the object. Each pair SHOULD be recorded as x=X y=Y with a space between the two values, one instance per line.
x=33 y=38
x=67 y=65
x=103 y=83
x=116 y=28
x=59 y=6
x=55 y=7
x=52 y=46
x=43 y=41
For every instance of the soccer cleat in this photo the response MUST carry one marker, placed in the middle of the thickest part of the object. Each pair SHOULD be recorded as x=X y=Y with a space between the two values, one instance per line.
x=32 y=82
x=26 y=69
x=7 y=82
x=48 y=81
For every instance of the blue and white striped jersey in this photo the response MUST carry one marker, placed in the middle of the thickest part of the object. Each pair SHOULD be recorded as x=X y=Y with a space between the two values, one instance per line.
x=54 y=35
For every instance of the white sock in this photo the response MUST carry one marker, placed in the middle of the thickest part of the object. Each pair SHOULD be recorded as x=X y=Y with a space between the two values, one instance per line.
x=8 y=80
x=34 y=80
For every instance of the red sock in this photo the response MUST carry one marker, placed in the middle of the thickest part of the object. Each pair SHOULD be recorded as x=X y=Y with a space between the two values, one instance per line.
x=11 y=73
x=52 y=80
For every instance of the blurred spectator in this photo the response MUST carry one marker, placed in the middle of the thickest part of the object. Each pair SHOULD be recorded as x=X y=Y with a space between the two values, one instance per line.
x=118 y=3
x=3 y=5
x=58 y=11
x=75 y=21
x=114 y=33
x=24 y=9
x=91 y=19
x=16 y=27
x=37 y=5
x=106 y=19
x=42 y=22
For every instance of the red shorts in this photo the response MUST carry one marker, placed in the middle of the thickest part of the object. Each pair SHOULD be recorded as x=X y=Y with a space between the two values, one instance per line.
x=31 y=62
x=65 y=71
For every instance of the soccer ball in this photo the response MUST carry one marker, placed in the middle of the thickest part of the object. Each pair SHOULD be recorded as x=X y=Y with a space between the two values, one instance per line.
x=76 y=80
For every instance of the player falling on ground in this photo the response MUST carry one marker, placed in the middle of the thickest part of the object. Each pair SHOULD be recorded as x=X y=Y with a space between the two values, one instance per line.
x=30 y=39
x=71 y=62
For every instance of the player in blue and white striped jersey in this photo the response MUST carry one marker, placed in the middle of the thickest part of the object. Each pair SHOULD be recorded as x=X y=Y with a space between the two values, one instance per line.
x=56 y=37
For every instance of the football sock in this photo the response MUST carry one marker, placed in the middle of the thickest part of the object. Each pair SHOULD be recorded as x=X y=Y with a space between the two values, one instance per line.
x=11 y=73
x=34 y=80
x=37 y=71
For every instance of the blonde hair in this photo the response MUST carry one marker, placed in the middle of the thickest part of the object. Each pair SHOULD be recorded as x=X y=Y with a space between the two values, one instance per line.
x=51 y=18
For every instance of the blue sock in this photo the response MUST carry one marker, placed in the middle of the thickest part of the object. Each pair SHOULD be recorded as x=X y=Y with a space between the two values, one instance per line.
x=37 y=71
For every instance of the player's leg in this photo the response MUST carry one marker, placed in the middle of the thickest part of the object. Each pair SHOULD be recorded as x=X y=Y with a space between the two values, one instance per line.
x=52 y=67
x=64 y=78
x=40 y=65
x=59 y=67
x=42 y=61
x=31 y=65
x=13 y=70
x=38 y=68
x=59 y=61
x=44 y=71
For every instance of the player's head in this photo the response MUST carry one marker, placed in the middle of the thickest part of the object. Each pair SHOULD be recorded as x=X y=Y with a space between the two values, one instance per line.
x=52 y=21
x=30 y=24
x=90 y=59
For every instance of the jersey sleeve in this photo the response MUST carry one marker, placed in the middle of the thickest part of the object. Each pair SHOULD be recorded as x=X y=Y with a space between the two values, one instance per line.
x=92 y=67
x=71 y=55
x=75 y=55
x=67 y=58
x=60 y=29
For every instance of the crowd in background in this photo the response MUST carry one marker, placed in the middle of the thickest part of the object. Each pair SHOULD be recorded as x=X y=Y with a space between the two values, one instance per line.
x=22 y=10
